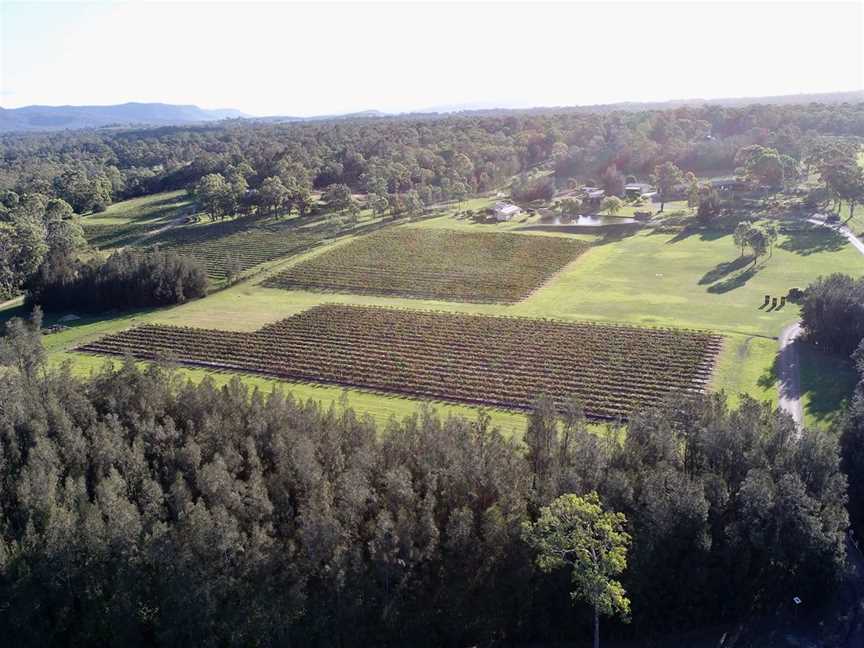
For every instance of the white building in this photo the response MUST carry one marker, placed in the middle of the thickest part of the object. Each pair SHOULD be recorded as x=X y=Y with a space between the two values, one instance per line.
x=593 y=194
x=639 y=190
x=505 y=211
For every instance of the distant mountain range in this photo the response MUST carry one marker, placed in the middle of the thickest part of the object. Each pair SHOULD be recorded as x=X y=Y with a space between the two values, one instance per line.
x=33 y=118
x=48 y=118
x=854 y=96
x=354 y=115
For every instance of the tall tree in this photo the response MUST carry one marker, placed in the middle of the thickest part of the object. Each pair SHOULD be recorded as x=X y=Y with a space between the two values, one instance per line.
x=338 y=197
x=709 y=204
x=576 y=532
x=273 y=195
x=612 y=181
x=668 y=177
x=739 y=236
x=760 y=165
x=757 y=240
x=212 y=192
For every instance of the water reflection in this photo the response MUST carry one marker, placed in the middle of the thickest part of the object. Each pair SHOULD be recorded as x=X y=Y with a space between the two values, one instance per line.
x=590 y=220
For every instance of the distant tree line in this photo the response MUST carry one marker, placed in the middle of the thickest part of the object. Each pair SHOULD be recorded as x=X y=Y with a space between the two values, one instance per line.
x=125 y=280
x=139 y=509
x=440 y=158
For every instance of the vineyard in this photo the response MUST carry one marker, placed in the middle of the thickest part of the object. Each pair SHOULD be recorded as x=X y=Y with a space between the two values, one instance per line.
x=436 y=264
x=106 y=236
x=234 y=245
x=496 y=361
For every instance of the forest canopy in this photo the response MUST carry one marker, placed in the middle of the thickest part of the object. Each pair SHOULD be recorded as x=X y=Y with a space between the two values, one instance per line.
x=440 y=157
x=139 y=508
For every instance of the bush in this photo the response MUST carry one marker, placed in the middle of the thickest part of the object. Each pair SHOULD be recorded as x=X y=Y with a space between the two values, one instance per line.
x=127 y=279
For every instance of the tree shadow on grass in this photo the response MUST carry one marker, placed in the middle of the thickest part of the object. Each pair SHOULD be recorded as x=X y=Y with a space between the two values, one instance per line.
x=683 y=234
x=616 y=235
x=712 y=234
x=705 y=233
x=828 y=381
x=735 y=281
x=811 y=241
x=721 y=270
x=770 y=378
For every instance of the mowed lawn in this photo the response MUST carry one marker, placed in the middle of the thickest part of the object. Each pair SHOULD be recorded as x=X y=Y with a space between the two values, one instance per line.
x=696 y=281
x=651 y=279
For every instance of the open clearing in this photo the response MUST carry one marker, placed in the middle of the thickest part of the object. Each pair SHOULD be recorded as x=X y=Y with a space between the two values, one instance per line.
x=126 y=222
x=495 y=361
x=435 y=264
x=692 y=280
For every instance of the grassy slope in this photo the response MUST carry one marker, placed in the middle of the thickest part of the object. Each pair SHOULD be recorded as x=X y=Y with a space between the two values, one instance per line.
x=648 y=279
x=125 y=223
x=161 y=207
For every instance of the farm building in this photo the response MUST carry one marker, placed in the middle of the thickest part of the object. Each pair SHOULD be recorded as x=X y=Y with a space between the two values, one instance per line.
x=505 y=211
x=639 y=190
x=730 y=183
x=593 y=194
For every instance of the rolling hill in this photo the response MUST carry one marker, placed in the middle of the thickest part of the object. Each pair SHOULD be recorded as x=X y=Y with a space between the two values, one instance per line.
x=32 y=118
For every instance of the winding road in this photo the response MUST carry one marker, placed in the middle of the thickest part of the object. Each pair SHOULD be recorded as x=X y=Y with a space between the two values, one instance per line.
x=857 y=243
x=789 y=371
x=789 y=368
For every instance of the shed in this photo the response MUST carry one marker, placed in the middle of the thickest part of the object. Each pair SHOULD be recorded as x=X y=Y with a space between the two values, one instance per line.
x=505 y=211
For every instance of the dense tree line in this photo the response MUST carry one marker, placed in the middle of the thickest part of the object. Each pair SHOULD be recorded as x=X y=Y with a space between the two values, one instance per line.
x=438 y=157
x=140 y=509
x=833 y=316
x=125 y=280
x=832 y=311
x=852 y=443
x=34 y=230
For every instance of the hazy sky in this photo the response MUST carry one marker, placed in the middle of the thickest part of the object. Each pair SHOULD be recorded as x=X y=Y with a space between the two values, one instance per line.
x=293 y=58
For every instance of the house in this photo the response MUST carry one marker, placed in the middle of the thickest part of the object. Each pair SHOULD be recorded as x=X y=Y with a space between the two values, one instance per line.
x=505 y=211
x=593 y=194
x=639 y=190
x=730 y=183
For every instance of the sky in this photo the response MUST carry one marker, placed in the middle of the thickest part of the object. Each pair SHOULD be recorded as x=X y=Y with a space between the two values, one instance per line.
x=287 y=58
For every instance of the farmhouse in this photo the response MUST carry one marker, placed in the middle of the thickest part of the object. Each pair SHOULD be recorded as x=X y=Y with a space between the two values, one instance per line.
x=505 y=211
x=639 y=190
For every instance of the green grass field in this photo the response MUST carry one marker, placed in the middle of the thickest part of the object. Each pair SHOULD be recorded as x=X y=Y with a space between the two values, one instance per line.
x=692 y=280
x=161 y=207
x=125 y=223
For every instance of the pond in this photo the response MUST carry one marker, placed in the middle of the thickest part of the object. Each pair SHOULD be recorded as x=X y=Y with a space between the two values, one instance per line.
x=591 y=220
